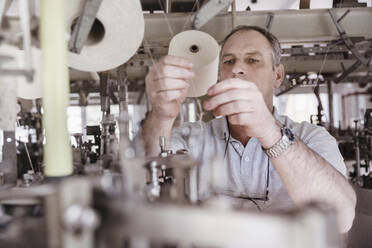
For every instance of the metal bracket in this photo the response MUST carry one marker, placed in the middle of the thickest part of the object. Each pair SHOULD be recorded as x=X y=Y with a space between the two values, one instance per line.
x=4 y=6
x=208 y=11
x=83 y=26
x=346 y=72
x=24 y=10
x=104 y=85
x=269 y=21
x=361 y=60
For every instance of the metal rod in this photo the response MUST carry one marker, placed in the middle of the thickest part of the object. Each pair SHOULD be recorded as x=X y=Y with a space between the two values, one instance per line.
x=25 y=25
x=269 y=21
x=233 y=14
x=84 y=25
x=343 y=15
x=330 y=105
x=352 y=68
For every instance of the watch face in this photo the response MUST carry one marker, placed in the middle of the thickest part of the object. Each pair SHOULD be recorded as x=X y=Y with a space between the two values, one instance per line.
x=289 y=134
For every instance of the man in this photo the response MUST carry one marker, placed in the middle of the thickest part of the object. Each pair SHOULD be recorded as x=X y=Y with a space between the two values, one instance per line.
x=272 y=161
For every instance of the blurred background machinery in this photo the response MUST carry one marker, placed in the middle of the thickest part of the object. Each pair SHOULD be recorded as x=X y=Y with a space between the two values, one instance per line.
x=114 y=195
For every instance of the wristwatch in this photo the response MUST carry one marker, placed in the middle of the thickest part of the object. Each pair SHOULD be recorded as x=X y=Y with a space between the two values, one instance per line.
x=288 y=139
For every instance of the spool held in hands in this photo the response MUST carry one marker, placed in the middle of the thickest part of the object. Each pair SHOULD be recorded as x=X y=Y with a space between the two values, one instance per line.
x=203 y=51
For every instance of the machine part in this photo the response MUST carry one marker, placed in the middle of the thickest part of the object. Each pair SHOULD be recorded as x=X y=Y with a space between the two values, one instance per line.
x=153 y=191
x=78 y=219
x=177 y=177
x=80 y=154
x=357 y=179
x=84 y=25
x=24 y=11
x=57 y=150
x=173 y=161
x=124 y=117
x=71 y=221
x=208 y=11
x=4 y=6
x=233 y=14
x=8 y=166
x=269 y=21
x=361 y=59
x=104 y=86
x=306 y=30
x=330 y=106
x=359 y=234
x=348 y=71
x=309 y=227
x=162 y=145
x=319 y=115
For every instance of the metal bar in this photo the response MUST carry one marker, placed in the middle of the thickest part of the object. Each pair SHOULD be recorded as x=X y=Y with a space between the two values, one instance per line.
x=230 y=228
x=105 y=100
x=233 y=14
x=330 y=48
x=4 y=6
x=348 y=71
x=124 y=117
x=15 y=72
x=343 y=16
x=208 y=11
x=330 y=105
x=348 y=42
x=84 y=25
x=8 y=166
x=24 y=11
x=287 y=86
x=306 y=28
x=269 y=21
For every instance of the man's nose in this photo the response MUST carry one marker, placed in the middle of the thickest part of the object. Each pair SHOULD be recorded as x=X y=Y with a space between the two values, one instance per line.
x=238 y=69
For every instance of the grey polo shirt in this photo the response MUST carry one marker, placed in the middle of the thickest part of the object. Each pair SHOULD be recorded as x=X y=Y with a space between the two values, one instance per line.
x=247 y=171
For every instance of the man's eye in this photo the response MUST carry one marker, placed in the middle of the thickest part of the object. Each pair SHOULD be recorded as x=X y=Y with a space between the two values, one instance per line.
x=229 y=62
x=253 y=61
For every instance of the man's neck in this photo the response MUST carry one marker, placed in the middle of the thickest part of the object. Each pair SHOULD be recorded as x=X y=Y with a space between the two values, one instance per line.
x=239 y=133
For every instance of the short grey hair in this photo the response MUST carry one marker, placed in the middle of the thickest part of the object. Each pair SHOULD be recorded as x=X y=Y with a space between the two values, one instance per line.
x=274 y=42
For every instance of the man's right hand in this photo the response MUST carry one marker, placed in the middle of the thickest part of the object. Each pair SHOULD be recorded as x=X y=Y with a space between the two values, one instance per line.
x=166 y=85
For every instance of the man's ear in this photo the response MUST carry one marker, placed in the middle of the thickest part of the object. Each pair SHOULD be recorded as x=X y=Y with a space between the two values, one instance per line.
x=279 y=75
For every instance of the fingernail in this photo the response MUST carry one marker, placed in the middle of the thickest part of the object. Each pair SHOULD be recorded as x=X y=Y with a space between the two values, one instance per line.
x=206 y=105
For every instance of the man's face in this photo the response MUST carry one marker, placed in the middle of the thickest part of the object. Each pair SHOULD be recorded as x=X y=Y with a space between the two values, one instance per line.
x=248 y=55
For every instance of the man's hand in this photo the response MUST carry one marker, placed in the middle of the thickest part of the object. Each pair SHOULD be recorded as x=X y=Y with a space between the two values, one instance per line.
x=166 y=85
x=244 y=105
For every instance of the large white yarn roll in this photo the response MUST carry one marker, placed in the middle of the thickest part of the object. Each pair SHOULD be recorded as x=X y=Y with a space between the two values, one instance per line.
x=115 y=37
x=203 y=50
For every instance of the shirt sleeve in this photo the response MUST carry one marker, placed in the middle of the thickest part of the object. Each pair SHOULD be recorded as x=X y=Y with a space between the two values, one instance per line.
x=325 y=145
x=189 y=136
x=178 y=140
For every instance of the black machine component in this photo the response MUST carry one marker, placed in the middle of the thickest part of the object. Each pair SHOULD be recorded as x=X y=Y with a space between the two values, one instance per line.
x=93 y=148
x=356 y=144
x=30 y=153
x=174 y=5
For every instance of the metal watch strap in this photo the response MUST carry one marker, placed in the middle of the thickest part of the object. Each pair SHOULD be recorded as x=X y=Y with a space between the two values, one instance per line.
x=279 y=147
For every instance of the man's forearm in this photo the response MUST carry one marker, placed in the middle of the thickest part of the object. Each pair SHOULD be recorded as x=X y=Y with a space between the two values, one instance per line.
x=152 y=128
x=308 y=177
